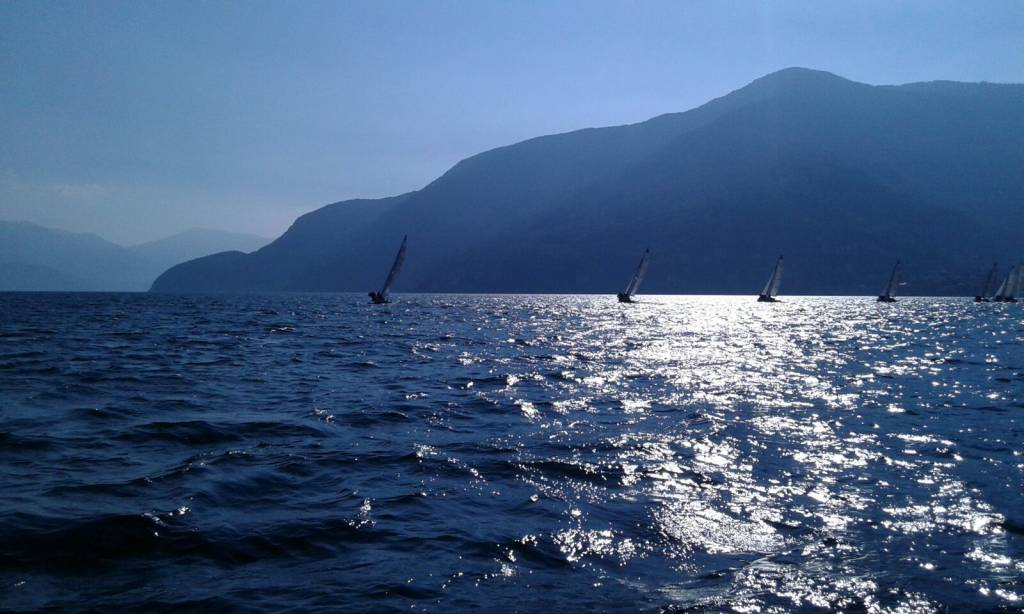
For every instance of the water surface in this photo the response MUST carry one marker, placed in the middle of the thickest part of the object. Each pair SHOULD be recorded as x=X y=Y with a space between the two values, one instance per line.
x=515 y=452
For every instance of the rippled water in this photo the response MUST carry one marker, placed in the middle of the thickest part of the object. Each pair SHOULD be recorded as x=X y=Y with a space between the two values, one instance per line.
x=458 y=452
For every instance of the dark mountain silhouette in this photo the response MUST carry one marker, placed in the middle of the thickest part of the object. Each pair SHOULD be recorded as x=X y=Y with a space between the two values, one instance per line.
x=841 y=177
x=33 y=257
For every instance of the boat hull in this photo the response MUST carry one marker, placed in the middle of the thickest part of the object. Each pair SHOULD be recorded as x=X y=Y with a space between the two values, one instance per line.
x=764 y=298
x=624 y=298
x=377 y=298
x=886 y=299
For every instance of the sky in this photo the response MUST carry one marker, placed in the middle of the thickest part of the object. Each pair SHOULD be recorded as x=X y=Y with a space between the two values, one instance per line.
x=135 y=120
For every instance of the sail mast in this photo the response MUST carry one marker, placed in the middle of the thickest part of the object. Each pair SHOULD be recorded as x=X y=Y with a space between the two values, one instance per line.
x=772 y=287
x=638 y=275
x=991 y=277
x=893 y=279
x=890 y=288
x=1014 y=282
x=1001 y=291
x=395 y=268
x=778 y=277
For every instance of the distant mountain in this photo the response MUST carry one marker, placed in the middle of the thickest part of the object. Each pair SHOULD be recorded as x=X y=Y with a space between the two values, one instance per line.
x=195 y=243
x=841 y=177
x=36 y=258
x=19 y=276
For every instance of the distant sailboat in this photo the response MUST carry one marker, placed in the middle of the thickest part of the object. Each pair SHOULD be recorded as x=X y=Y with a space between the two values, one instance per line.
x=999 y=295
x=379 y=298
x=638 y=277
x=889 y=294
x=1011 y=286
x=984 y=296
x=1013 y=290
x=772 y=287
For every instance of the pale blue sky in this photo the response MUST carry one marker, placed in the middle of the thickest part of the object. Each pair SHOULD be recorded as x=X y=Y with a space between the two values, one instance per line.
x=135 y=120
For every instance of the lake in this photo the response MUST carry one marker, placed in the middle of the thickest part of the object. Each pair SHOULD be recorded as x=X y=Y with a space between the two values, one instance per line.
x=458 y=452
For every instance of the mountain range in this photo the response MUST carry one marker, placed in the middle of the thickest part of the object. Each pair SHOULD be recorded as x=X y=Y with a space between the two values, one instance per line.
x=33 y=257
x=841 y=177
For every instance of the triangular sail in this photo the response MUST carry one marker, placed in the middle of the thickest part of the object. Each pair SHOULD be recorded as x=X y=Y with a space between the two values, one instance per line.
x=890 y=288
x=989 y=279
x=772 y=287
x=395 y=268
x=1014 y=282
x=638 y=275
x=1001 y=291
x=778 y=278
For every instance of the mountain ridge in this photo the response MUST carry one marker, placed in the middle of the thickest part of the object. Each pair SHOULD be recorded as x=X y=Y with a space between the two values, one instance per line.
x=844 y=173
x=34 y=257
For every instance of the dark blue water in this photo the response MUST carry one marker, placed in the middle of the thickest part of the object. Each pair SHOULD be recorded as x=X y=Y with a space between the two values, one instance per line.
x=524 y=453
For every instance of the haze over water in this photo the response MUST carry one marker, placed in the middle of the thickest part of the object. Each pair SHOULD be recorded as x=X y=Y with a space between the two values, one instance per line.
x=704 y=453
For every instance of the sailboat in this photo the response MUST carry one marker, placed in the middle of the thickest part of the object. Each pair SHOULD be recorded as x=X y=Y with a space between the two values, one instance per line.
x=638 y=277
x=1014 y=289
x=381 y=297
x=772 y=287
x=983 y=296
x=1011 y=286
x=888 y=295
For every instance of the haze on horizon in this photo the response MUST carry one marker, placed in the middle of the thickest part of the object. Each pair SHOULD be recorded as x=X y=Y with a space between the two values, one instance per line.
x=138 y=120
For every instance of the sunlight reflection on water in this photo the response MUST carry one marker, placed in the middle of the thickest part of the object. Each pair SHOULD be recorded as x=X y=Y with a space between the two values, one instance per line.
x=793 y=450
x=683 y=452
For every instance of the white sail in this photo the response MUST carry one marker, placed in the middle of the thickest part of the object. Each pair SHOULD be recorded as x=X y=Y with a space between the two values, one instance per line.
x=1001 y=292
x=638 y=275
x=890 y=288
x=1012 y=284
x=772 y=287
x=395 y=268
x=1015 y=281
